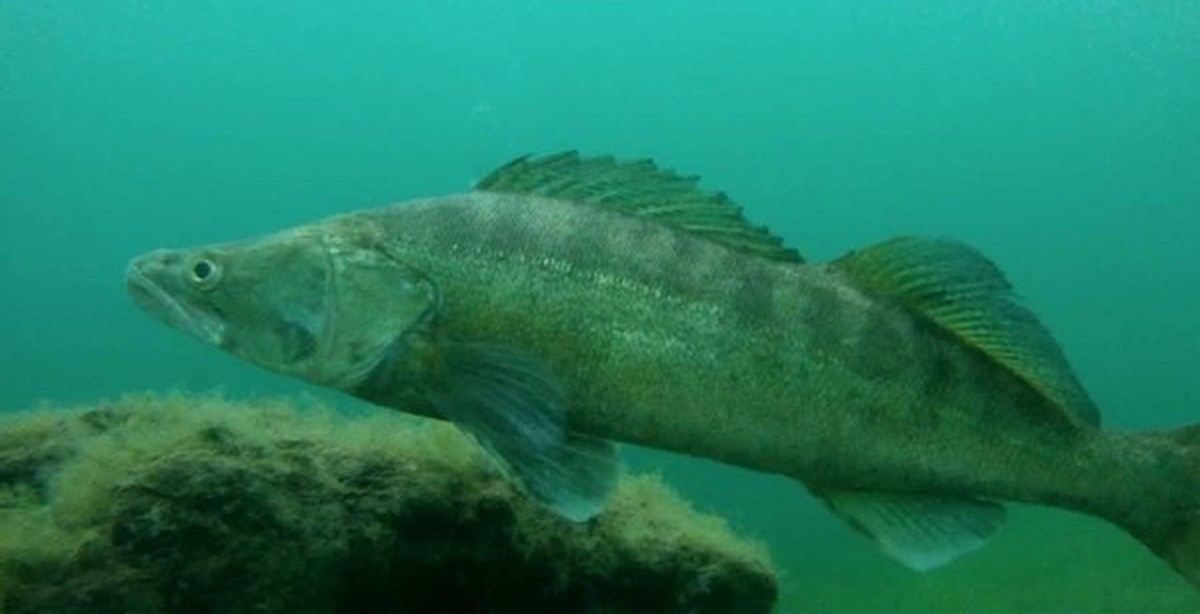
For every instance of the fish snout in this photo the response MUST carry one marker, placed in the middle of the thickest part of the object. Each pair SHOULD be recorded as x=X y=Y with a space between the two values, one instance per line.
x=141 y=274
x=155 y=283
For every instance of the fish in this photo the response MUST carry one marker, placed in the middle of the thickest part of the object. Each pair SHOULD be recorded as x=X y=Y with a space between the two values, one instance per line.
x=566 y=303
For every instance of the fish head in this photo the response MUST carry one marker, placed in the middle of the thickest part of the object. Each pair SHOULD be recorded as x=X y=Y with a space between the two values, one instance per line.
x=321 y=303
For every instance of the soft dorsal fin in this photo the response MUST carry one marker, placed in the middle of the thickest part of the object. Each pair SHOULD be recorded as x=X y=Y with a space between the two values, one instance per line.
x=961 y=291
x=642 y=189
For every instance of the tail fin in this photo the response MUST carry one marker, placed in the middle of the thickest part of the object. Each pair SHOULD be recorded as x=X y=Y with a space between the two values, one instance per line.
x=1168 y=522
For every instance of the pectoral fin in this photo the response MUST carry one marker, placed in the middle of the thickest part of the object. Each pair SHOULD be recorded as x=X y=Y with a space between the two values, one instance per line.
x=920 y=531
x=514 y=407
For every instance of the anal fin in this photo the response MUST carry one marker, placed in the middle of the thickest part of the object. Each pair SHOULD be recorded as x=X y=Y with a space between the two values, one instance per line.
x=920 y=531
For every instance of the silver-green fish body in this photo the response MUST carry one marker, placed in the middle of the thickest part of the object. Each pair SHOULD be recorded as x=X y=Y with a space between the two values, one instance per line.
x=567 y=302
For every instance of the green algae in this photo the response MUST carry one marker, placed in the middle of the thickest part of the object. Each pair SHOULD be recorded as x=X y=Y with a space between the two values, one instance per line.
x=176 y=503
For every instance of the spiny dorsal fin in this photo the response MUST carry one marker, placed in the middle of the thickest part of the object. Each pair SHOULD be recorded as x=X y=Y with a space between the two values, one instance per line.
x=961 y=291
x=638 y=188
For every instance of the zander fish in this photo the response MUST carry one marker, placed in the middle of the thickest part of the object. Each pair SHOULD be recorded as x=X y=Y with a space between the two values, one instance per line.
x=567 y=302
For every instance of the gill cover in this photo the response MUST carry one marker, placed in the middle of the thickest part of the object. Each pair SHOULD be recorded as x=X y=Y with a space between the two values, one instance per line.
x=371 y=302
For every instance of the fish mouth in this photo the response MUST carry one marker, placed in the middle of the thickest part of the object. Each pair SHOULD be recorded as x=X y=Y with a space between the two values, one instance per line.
x=158 y=302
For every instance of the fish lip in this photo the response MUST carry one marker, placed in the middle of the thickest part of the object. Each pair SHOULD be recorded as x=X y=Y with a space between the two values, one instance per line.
x=153 y=299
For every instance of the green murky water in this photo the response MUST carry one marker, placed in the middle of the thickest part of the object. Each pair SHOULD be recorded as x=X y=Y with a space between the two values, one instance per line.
x=1062 y=138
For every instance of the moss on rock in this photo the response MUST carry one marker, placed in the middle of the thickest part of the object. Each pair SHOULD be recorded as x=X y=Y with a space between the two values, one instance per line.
x=189 y=504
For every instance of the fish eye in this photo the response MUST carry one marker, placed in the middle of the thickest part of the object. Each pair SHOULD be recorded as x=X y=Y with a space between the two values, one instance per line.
x=204 y=273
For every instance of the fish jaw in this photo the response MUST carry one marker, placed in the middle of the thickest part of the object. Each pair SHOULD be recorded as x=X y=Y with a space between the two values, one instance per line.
x=147 y=278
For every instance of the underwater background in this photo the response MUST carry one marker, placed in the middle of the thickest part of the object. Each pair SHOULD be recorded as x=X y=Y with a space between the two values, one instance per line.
x=1060 y=137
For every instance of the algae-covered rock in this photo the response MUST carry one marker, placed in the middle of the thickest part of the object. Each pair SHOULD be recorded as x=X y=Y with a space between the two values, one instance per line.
x=178 y=504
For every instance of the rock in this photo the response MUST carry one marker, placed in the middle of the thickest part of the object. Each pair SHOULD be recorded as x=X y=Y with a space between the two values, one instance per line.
x=181 y=504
